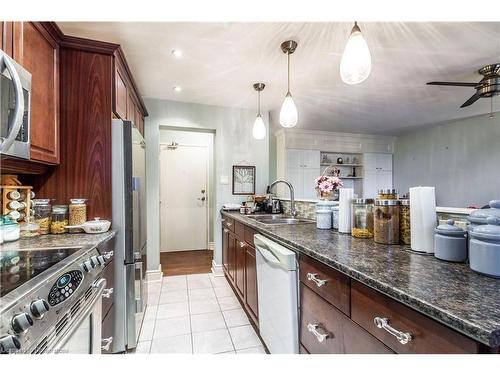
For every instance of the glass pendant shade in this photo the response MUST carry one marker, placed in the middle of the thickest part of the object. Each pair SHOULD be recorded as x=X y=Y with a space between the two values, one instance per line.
x=259 y=128
x=356 y=63
x=289 y=115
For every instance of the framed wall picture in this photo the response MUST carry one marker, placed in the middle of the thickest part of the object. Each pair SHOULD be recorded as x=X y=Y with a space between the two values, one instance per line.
x=243 y=180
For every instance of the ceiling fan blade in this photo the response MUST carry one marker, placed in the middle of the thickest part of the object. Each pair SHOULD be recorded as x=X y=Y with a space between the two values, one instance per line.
x=471 y=100
x=462 y=84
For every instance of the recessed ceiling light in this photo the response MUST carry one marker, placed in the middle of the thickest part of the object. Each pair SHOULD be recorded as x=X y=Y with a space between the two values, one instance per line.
x=177 y=88
x=177 y=53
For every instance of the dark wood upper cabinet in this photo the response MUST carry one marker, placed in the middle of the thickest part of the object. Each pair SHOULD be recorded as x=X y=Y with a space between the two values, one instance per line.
x=38 y=52
x=7 y=37
x=120 y=96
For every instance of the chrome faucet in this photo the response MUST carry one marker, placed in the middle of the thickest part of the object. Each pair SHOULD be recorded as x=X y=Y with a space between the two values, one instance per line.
x=293 y=211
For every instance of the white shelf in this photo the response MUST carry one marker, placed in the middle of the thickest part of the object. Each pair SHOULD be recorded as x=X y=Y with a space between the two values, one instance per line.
x=350 y=178
x=340 y=165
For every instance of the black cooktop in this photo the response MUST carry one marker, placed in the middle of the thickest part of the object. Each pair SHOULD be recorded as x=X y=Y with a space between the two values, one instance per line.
x=18 y=267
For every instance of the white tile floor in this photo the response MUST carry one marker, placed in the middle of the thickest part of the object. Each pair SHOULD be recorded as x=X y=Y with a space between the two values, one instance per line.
x=196 y=314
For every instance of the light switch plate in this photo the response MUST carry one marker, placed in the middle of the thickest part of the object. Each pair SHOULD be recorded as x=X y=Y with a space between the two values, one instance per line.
x=224 y=180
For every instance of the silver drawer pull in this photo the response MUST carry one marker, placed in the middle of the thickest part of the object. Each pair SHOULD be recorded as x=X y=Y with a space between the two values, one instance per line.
x=313 y=328
x=242 y=244
x=313 y=277
x=106 y=343
x=108 y=255
x=106 y=293
x=229 y=224
x=383 y=323
x=222 y=220
x=226 y=230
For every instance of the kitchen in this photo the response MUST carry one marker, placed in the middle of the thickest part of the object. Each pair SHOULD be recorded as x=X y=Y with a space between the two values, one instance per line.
x=316 y=193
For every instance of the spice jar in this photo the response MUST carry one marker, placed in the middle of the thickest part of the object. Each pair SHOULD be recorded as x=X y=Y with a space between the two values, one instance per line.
x=29 y=230
x=404 y=221
x=386 y=221
x=59 y=219
x=77 y=214
x=362 y=224
x=387 y=194
x=43 y=210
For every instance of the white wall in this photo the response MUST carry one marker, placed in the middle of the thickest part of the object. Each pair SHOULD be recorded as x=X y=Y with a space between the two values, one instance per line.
x=234 y=144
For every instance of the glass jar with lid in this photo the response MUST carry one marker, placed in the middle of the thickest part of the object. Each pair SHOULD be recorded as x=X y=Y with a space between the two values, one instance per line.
x=77 y=213
x=387 y=194
x=362 y=223
x=42 y=214
x=59 y=219
x=386 y=221
x=404 y=222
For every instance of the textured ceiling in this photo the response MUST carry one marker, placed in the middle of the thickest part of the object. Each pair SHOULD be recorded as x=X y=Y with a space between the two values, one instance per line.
x=221 y=61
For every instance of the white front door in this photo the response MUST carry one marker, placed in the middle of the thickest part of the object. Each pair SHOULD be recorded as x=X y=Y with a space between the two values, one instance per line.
x=184 y=198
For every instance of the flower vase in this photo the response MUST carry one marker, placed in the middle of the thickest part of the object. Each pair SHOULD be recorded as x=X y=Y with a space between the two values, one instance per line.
x=327 y=196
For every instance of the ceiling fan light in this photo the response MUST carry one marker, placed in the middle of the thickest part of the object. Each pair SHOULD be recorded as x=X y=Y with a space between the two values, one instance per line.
x=289 y=115
x=259 y=128
x=356 y=62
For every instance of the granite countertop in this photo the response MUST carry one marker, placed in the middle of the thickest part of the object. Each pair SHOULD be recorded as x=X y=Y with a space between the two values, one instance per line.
x=58 y=240
x=450 y=293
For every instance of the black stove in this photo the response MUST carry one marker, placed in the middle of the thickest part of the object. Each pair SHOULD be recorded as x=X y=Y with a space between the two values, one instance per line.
x=18 y=267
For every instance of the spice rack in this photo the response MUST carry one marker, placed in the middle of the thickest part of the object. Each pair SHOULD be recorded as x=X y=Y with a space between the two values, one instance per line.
x=6 y=200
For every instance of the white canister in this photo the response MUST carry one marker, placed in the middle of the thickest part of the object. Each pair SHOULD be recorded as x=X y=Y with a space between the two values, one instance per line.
x=335 y=217
x=324 y=218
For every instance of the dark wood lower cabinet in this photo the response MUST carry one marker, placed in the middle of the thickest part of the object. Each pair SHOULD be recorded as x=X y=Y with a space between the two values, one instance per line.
x=251 y=296
x=231 y=256
x=225 y=249
x=240 y=267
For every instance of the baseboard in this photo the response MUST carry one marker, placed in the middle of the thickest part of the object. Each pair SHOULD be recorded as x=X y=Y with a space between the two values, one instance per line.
x=154 y=275
x=211 y=246
x=217 y=269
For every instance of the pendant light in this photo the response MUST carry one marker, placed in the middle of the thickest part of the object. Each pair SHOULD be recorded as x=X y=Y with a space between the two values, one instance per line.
x=259 y=128
x=356 y=62
x=288 y=113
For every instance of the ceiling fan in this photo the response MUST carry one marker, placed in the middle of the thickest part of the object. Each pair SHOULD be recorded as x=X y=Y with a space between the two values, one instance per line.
x=487 y=87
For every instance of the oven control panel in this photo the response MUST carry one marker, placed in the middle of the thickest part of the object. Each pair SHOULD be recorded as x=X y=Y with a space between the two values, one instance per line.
x=65 y=286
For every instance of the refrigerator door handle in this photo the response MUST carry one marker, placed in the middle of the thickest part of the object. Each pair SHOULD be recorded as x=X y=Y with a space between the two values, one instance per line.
x=139 y=305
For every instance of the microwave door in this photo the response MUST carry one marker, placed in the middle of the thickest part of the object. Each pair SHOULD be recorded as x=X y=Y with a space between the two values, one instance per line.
x=12 y=102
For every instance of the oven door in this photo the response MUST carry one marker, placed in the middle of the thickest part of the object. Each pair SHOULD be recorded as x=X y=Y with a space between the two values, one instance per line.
x=85 y=335
x=15 y=97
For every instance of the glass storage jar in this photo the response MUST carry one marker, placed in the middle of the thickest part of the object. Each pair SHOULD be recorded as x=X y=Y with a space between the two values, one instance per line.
x=404 y=222
x=387 y=194
x=77 y=214
x=362 y=223
x=29 y=230
x=386 y=221
x=59 y=219
x=43 y=210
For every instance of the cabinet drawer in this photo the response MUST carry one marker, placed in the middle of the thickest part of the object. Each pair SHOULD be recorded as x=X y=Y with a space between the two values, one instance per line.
x=107 y=332
x=228 y=223
x=249 y=233
x=427 y=335
x=239 y=229
x=336 y=286
x=108 y=293
x=344 y=336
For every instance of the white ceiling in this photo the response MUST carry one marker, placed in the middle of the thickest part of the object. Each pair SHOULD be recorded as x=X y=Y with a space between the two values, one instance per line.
x=221 y=61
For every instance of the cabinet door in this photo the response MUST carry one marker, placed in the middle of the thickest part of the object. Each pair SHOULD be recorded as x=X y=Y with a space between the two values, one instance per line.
x=225 y=249
x=240 y=267
x=295 y=176
x=231 y=256
x=384 y=179
x=293 y=158
x=308 y=176
x=121 y=96
x=38 y=53
x=130 y=108
x=369 y=161
x=141 y=124
x=310 y=158
x=251 y=298
x=383 y=162
x=370 y=184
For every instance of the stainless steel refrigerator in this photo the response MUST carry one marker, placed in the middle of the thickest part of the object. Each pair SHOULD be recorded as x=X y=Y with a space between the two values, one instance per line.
x=129 y=219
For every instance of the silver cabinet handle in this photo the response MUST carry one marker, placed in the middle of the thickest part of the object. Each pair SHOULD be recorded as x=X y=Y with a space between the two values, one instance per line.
x=242 y=244
x=228 y=224
x=313 y=277
x=106 y=293
x=313 y=328
x=222 y=220
x=383 y=323
x=108 y=254
x=106 y=343
x=226 y=230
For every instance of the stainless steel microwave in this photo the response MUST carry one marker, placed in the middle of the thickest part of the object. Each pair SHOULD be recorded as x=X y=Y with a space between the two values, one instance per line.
x=15 y=102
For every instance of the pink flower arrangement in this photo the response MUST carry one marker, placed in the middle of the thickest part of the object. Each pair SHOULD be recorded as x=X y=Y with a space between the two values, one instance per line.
x=327 y=184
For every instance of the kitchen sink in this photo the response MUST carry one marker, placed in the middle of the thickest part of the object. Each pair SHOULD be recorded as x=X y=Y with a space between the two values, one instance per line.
x=279 y=220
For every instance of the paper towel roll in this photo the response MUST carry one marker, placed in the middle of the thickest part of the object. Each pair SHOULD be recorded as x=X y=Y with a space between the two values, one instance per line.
x=422 y=218
x=345 y=214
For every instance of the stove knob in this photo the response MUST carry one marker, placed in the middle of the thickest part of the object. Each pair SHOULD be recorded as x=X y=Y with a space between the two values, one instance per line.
x=39 y=308
x=101 y=260
x=87 y=266
x=21 y=322
x=94 y=261
x=9 y=344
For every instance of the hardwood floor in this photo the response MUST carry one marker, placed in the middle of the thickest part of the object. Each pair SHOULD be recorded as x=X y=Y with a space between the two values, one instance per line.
x=186 y=262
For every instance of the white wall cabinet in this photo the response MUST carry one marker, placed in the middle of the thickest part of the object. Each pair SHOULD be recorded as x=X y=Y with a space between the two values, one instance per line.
x=377 y=173
x=303 y=166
